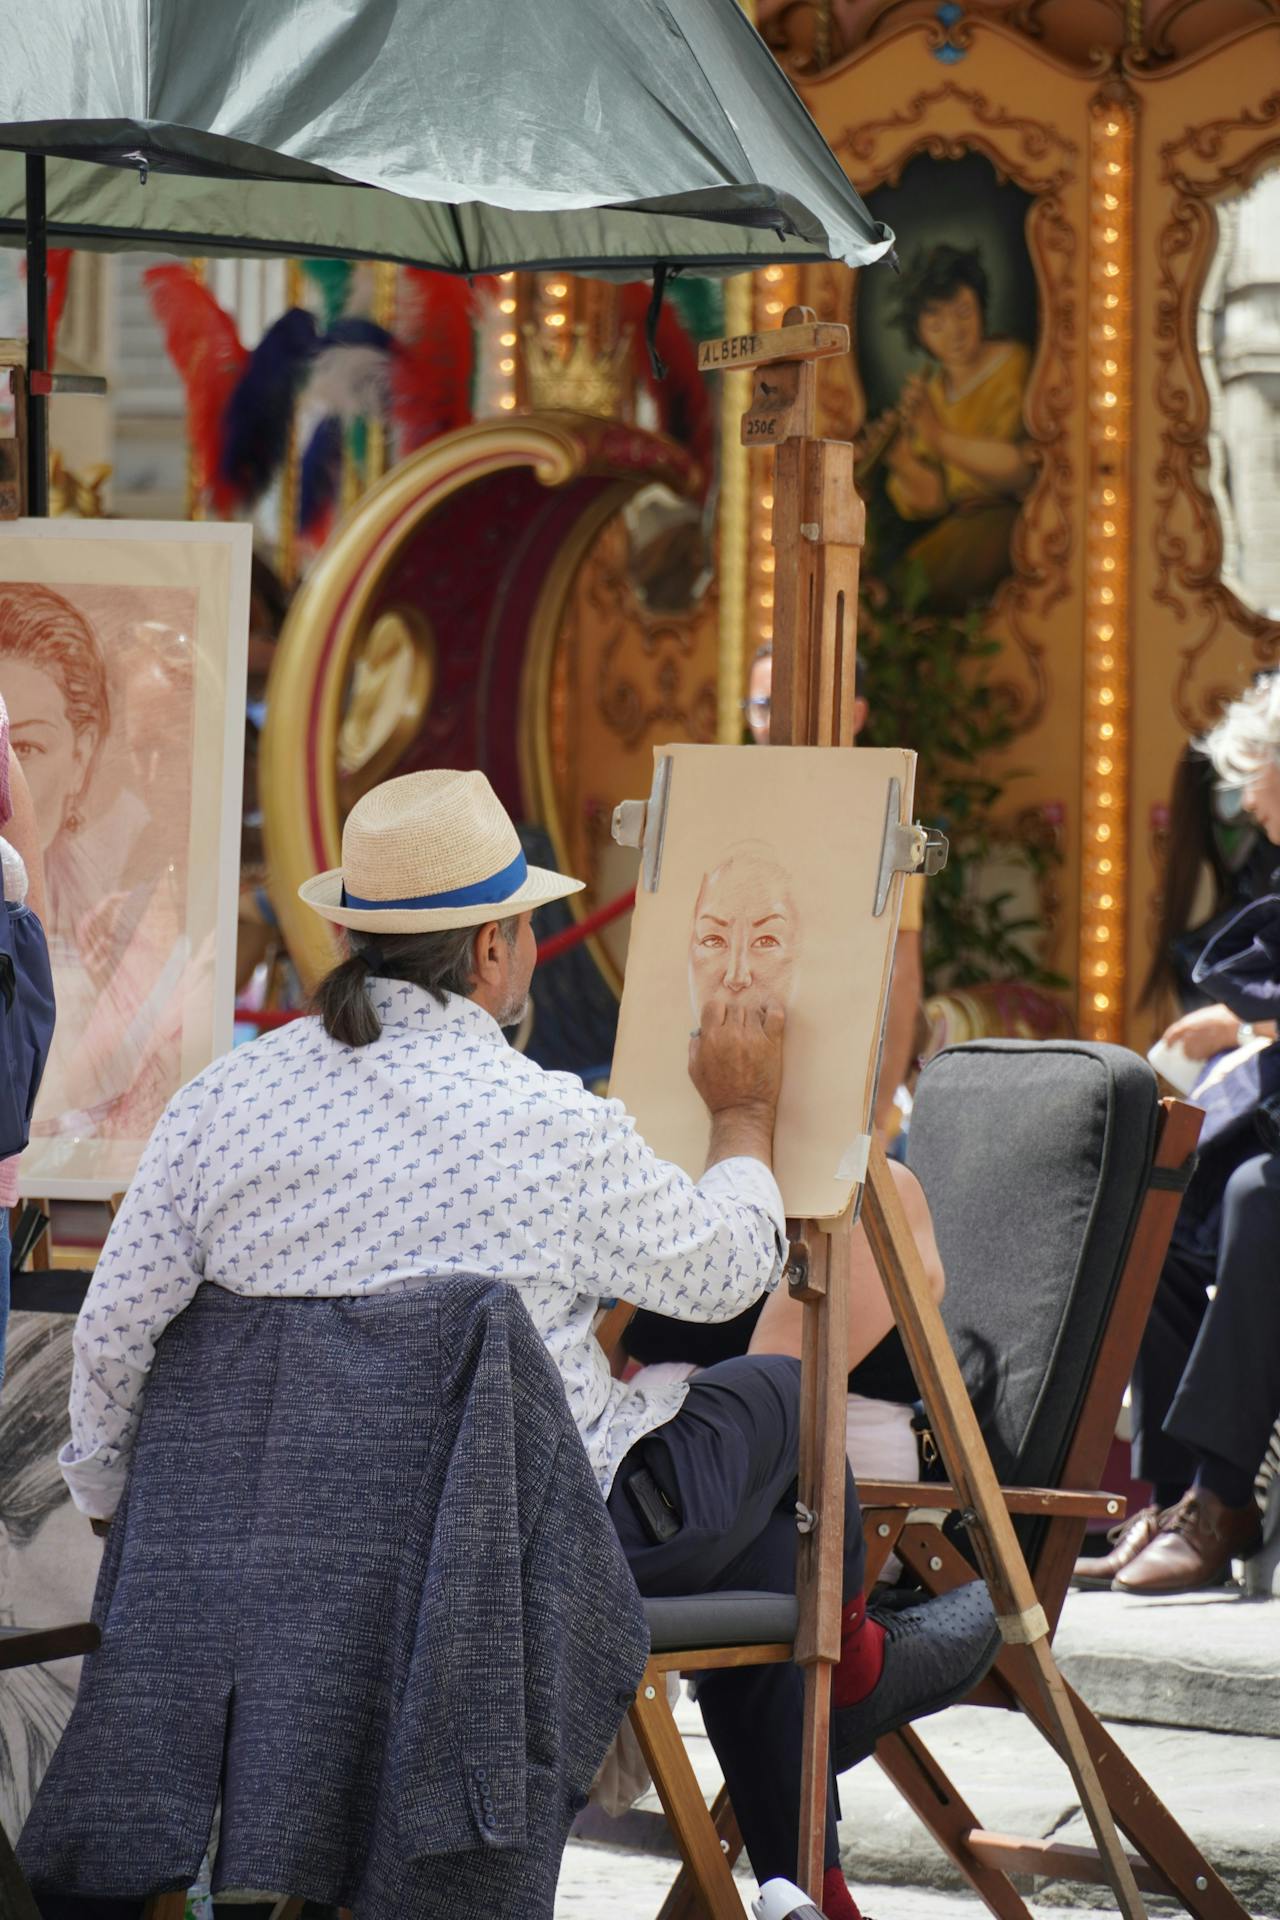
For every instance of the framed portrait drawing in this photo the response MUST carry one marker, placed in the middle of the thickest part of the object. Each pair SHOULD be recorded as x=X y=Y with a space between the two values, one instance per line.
x=761 y=881
x=122 y=664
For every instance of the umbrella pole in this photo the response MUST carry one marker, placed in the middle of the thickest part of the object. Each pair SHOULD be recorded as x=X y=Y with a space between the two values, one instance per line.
x=37 y=340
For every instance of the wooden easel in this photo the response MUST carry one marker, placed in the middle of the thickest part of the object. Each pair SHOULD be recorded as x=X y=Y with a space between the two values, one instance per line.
x=818 y=530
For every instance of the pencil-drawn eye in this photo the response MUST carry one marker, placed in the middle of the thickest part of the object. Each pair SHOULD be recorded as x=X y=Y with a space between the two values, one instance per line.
x=766 y=940
x=714 y=942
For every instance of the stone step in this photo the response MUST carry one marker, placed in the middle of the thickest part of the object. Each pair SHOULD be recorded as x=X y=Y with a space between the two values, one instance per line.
x=1223 y=1788
x=1204 y=1660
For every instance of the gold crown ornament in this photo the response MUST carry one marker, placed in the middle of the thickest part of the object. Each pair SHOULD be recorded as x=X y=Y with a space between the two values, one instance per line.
x=579 y=381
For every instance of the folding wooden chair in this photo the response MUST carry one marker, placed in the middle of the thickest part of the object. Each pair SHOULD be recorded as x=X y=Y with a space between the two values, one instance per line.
x=1054 y=1176
x=1054 y=1173
x=31 y=1647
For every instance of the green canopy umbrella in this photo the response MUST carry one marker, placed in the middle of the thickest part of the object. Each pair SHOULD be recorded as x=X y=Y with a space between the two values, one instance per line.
x=472 y=136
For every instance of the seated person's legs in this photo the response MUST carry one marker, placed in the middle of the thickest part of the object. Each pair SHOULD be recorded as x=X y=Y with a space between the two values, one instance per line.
x=1227 y=1401
x=726 y=1465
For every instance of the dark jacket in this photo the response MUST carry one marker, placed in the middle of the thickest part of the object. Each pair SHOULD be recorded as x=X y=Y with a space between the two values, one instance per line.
x=1241 y=968
x=363 y=1582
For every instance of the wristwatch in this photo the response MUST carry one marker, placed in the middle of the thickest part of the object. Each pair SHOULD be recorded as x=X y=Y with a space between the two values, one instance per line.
x=1245 y=1032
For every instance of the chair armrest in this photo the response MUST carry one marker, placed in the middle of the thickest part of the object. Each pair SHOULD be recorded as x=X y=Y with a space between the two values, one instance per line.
x=874 y=1495
x=31 y=1646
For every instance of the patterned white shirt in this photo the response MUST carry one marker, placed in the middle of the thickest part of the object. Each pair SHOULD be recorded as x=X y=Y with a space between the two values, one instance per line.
x=298 y=1166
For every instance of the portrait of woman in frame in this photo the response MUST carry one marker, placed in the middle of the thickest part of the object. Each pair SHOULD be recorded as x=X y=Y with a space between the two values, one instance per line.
x=122 y=664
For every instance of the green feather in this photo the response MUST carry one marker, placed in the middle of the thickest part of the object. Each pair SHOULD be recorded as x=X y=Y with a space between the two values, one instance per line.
x=332 y=280
x=700 y=304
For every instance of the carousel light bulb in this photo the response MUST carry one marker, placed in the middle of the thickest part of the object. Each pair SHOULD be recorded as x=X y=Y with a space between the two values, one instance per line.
x=1110 y=202
x=1112 y=129
x=1105 y=632
x=1102 y=935
x=1106 y=902
x=773 y=306
x=766 y=501
x=1106 y=730
x=1104 y=866
x=557 y=289
x=1108 y=496
x=1110 y=235
x=1114 y=167
x=1109 y=528
x=1101 y=1001
x=1104 y=765
x=1101 y=968
x=506 y=339
x=553 y=319
x=506 y=276
x=1107 y=596
x=506 y=306
x=1108 y=332
x=1109 y=563
x=1102 y=832
x=1106 y=696
x=506 y=366
x=768 y=563
x=1107 y=662
x=507 y=401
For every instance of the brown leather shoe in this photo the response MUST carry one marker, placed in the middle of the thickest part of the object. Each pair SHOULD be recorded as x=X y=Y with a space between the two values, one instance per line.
x=1194 y=1546
x=1127 y=1542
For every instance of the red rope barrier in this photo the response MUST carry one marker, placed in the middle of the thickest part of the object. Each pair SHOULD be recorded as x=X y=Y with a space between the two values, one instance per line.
x=558 y=943
x=265 y=1019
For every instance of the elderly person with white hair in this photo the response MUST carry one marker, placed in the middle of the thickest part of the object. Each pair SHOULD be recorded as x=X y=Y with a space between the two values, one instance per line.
x=1206 y=1391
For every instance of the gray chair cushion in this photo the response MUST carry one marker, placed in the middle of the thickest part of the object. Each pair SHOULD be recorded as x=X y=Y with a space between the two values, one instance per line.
x=720 y=1620
x=1035 y=1158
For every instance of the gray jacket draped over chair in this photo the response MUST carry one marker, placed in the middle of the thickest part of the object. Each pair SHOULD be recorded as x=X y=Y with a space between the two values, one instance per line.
x=363 y=1586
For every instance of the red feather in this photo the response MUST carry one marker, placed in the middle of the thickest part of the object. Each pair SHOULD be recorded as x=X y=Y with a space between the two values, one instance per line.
x=204 y=346
x=432 y=361
x=57 y=267
x=684 y=404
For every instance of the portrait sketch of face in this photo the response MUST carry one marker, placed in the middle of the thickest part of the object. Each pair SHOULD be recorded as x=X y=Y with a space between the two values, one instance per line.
x=122 y=654
x=745 y=937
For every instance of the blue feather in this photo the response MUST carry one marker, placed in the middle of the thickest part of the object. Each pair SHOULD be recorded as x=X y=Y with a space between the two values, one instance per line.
x=320 y=474
x=255 y=427
x=355 y=331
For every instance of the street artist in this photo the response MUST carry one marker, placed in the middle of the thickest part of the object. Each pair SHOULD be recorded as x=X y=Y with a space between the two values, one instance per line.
x=399 y=1139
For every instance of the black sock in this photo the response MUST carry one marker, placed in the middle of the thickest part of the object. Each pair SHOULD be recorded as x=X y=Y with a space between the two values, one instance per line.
x=1167 y=1493
x=1232 y=1484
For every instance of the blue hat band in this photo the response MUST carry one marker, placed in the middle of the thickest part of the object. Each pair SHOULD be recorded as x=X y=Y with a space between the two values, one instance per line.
x=498 y=887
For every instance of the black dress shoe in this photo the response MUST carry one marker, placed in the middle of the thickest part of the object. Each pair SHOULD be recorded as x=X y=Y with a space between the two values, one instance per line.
x=935 y=1653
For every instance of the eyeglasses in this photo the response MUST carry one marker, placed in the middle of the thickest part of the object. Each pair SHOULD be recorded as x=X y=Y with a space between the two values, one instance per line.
x=758 y=704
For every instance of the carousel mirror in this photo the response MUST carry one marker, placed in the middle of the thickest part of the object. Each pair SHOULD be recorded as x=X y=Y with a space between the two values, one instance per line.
x=1239 y=343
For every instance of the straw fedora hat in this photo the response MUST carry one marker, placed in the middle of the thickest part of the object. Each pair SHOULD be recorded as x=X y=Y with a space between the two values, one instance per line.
x=427 y=852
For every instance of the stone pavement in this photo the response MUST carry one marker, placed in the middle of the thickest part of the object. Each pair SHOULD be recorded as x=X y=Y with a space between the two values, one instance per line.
x=606 y=1883
x=1191 y=1690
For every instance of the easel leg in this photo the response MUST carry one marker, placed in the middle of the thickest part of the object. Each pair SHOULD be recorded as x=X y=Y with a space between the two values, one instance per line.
x=820 y=1558
x=969 y=1466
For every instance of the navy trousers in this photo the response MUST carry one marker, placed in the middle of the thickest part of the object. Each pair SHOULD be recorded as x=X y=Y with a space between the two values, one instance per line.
x=1207 y=1380
x=728 y=1463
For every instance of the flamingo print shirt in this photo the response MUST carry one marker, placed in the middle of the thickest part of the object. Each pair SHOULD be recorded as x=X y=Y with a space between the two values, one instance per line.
x=298 y=1166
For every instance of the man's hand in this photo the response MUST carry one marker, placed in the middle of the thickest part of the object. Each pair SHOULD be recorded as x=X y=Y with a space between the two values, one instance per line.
x=1201 y=1034
x=735 y=1057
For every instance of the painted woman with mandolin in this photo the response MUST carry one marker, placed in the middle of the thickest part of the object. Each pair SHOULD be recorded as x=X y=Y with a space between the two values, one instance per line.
x=955 y=445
